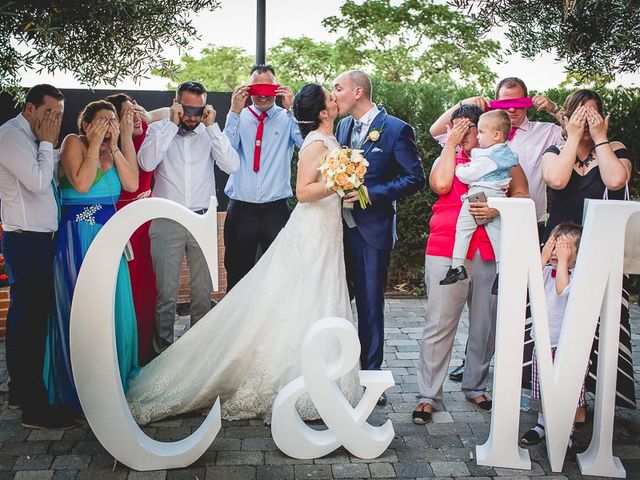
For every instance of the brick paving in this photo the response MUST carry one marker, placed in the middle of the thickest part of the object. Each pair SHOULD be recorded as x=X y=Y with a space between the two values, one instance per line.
x=245 y=450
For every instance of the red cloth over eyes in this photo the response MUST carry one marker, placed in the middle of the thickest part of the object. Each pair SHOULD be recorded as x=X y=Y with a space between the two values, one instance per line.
x=263 y=89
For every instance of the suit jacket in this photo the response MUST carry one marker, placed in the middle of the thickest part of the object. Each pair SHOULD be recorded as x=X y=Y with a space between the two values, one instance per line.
x=395 y=171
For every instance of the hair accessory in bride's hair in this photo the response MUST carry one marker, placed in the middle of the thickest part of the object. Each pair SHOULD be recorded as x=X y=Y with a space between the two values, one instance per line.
x=308 y=122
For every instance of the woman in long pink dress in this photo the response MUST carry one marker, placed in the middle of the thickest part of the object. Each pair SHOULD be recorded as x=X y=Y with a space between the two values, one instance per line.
x=143 y=281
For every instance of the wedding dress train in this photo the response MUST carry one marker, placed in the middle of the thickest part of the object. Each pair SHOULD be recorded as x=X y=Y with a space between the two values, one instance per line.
x=249 y=345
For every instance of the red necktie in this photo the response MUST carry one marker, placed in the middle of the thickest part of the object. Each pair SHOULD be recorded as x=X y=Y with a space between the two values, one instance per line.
x=512 y=133
x=256 y=152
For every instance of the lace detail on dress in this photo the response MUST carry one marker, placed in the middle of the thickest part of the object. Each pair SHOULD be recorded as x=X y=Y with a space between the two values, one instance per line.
x=329 y=140
x=249 y=346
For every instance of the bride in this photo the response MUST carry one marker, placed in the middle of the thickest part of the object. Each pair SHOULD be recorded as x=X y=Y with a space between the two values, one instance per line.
x=249 y=345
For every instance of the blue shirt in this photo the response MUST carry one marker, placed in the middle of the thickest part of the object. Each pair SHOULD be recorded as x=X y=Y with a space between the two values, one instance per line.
x=273 y=180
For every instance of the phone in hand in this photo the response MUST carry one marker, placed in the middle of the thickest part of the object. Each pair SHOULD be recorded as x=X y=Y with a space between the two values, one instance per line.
x=479 y=197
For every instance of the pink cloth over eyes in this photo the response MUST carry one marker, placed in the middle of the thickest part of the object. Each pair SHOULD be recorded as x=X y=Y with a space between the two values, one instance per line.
x=522 y=102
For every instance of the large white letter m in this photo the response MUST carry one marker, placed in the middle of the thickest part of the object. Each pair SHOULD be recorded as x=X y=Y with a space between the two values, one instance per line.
x=596 y=290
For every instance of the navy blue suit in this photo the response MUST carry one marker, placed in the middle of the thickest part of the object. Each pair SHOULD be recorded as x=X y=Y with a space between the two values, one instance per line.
x=395 y=171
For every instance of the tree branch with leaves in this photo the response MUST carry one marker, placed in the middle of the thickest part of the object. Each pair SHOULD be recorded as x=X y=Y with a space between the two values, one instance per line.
x=98 y=42
x=596 y=38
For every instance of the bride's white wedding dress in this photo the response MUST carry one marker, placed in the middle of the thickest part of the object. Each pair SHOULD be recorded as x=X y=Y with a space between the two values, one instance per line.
x=249 y=345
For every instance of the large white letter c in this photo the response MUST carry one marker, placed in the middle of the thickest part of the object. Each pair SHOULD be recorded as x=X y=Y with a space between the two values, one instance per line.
x=93 y=346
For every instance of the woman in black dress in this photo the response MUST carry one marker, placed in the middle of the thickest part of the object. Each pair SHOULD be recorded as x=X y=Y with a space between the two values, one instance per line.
x=587 y=166
x=588 y=163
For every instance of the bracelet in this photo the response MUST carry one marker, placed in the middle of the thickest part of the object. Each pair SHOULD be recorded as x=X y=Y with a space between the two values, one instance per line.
x=556 y=109
x=606 y=142
x=447 y=147
x=114 y=151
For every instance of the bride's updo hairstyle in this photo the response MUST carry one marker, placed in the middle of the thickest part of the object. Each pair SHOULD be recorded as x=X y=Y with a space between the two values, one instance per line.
x=307 y=105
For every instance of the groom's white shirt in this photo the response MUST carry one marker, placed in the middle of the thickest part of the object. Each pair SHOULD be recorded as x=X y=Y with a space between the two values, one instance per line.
x=366 y=120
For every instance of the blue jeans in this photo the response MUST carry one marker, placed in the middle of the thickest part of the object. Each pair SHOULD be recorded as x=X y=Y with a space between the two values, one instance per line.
x=29 y=260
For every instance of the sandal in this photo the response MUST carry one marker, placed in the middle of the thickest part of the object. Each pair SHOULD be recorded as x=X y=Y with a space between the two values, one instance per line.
x=532 y=437
x=420 y=416
x=484 y=405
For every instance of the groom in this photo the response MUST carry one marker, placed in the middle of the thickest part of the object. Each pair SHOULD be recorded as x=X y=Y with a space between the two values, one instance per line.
x=395 y=171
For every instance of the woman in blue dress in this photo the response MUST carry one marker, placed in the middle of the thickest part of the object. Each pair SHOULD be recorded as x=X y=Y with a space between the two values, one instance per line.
x=93 y=170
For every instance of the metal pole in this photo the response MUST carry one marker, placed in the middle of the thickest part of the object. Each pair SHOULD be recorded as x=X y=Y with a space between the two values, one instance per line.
x=260 y=33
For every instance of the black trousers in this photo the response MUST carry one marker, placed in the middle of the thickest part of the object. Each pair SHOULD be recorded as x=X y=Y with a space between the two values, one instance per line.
x=29 y=258
x=249 y=230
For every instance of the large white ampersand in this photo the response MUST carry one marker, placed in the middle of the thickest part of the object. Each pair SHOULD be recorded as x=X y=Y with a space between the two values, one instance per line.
x=347 y=425
x=93 y=345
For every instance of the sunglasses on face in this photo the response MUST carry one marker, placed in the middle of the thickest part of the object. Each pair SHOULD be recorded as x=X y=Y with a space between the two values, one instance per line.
x=192 y=111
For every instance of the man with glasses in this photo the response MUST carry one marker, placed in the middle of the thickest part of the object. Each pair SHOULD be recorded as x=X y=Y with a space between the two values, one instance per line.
x=263 y=135
x=182 y=151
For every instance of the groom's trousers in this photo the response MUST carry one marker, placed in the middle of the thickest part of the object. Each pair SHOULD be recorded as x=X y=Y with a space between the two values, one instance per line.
x=169 y=242
x=367 y=270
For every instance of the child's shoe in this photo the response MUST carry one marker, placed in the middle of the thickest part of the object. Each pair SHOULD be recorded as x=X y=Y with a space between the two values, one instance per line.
x=533 y=436
x=454 y=275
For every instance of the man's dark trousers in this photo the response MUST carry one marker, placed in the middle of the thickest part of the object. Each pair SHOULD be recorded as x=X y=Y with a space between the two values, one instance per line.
x=29 y=260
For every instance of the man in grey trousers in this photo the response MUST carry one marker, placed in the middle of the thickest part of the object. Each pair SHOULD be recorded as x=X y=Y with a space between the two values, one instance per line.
x=182 y=151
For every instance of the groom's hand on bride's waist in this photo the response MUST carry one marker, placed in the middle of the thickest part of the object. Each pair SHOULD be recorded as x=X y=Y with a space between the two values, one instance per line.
x=352 y=196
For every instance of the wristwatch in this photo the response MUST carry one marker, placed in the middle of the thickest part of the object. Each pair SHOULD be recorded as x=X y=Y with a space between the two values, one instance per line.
x=556 y=109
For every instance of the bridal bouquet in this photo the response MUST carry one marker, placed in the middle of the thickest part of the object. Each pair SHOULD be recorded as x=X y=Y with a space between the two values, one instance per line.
x=344 y=169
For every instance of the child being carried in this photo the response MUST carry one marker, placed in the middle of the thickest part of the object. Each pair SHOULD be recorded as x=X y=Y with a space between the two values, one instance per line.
x=488 y=174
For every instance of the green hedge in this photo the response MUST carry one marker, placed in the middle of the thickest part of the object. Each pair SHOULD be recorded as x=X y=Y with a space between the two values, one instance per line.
x=420 y=105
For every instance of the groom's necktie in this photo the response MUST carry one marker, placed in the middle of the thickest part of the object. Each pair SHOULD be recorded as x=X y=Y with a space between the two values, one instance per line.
x=356 y=134
x=356 y=142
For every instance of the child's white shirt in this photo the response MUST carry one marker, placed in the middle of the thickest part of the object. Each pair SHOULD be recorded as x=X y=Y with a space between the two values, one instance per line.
x=556 y=304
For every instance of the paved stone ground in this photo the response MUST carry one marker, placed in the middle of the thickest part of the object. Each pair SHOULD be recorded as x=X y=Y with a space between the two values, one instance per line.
x=245 y=450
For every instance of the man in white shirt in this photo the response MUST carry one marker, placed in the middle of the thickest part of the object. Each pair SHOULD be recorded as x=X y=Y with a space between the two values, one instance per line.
x=182 y=151
x=30 y=219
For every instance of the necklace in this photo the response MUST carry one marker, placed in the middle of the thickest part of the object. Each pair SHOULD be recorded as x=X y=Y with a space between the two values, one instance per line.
x=587 y=160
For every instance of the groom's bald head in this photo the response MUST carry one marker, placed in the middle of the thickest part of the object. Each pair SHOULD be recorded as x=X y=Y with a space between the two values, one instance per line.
x=353 y=90
x=358 y=78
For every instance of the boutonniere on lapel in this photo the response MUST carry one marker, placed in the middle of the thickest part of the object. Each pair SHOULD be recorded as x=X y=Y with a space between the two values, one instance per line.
x=374 y=135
